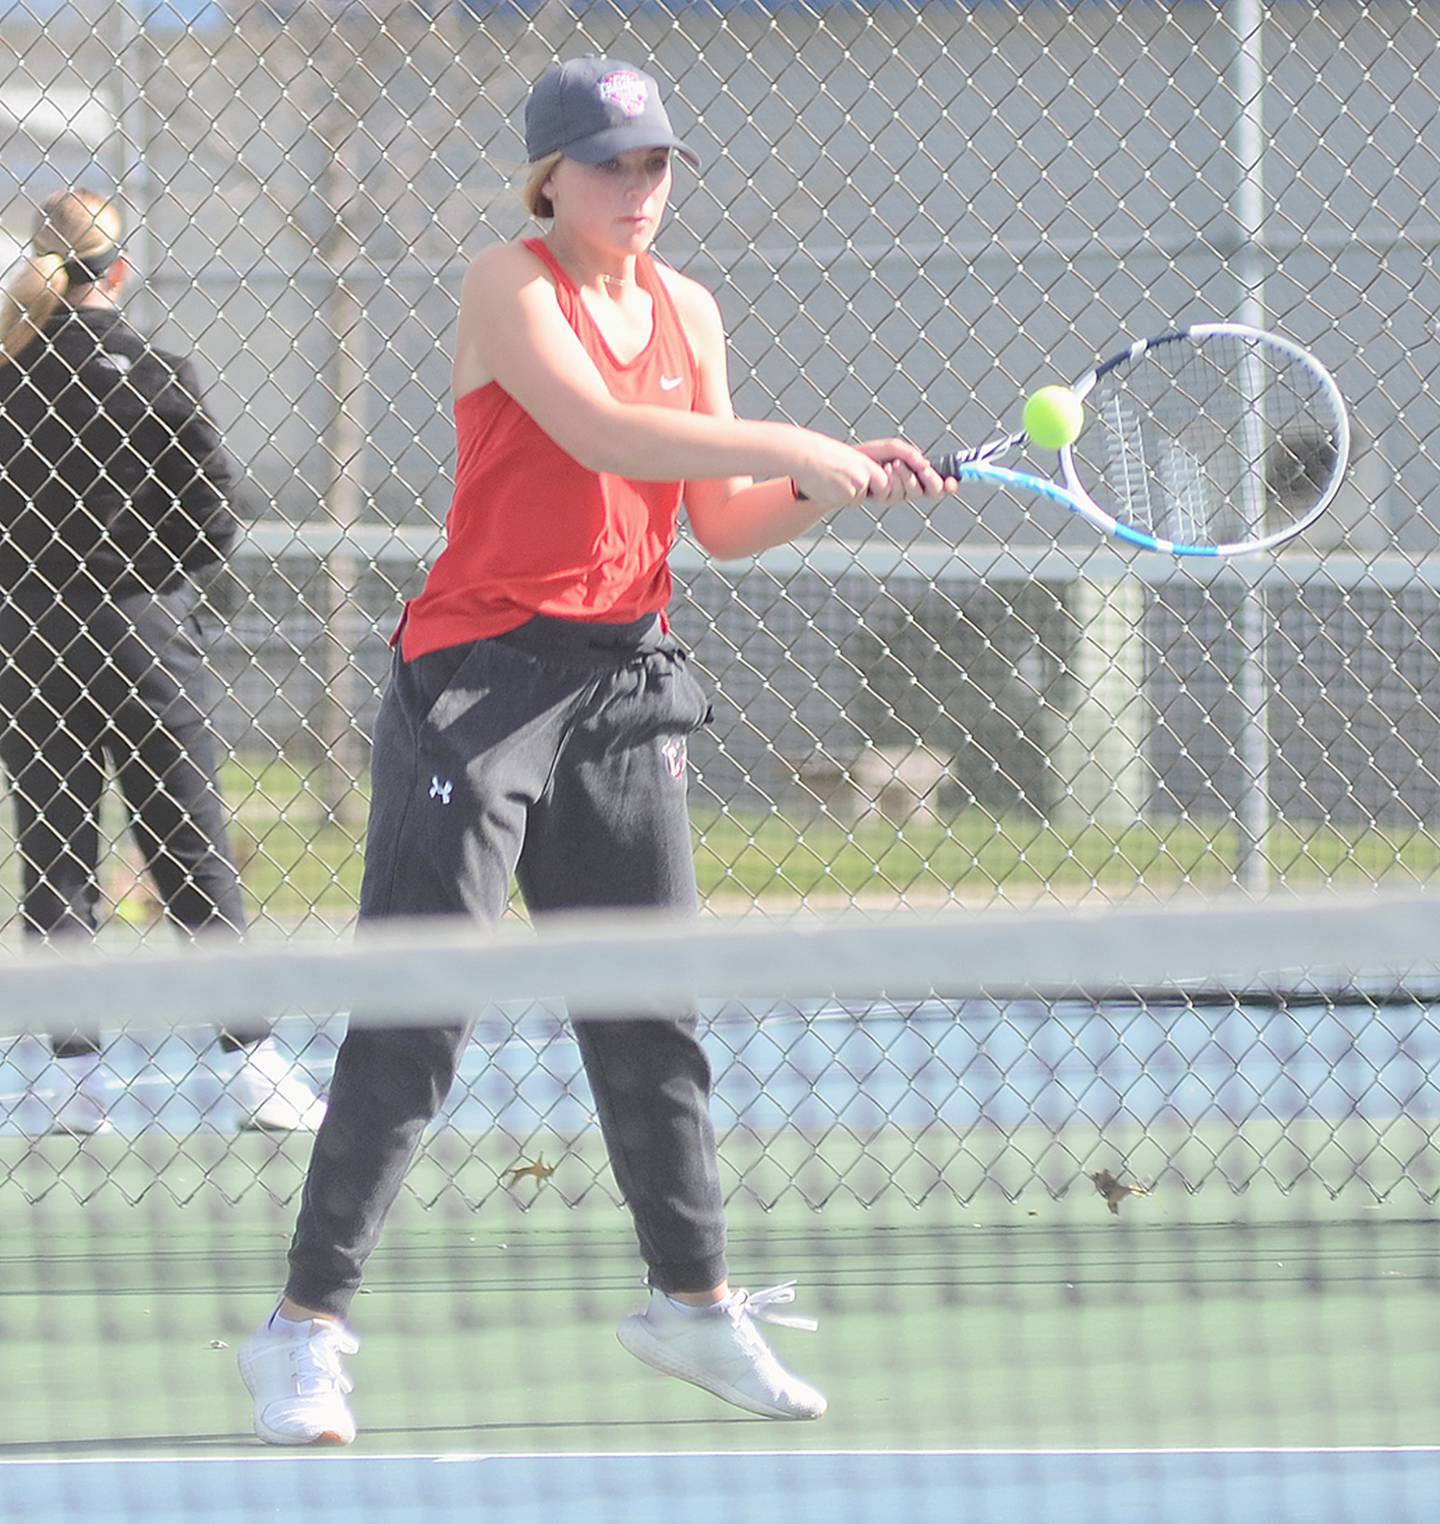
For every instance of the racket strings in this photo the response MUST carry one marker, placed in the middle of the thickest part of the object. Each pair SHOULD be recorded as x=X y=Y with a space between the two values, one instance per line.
x=1212 y=442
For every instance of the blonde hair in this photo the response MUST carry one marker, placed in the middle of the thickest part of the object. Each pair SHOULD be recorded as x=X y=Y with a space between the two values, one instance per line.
x=537 y=203
x=71 y=225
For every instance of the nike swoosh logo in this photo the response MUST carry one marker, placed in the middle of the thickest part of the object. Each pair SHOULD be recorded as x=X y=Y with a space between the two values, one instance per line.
x=669 y=383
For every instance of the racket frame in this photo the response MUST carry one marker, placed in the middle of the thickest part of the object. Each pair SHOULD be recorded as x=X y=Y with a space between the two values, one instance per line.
x=978 y=464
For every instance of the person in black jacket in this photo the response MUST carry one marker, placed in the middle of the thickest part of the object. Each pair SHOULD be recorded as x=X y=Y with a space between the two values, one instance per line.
x=114 y=496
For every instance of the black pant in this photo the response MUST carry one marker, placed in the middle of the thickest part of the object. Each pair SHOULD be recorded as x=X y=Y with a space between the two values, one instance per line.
x=117 y=682
x=556 y=753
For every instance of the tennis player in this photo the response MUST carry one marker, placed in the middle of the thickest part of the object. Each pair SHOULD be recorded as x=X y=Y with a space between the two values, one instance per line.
x=536 y=724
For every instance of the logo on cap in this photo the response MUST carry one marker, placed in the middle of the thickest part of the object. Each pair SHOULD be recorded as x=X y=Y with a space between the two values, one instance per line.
x=625 y=90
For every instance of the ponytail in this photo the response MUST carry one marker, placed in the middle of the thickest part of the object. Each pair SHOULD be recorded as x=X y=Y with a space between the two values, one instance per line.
x=30 y=299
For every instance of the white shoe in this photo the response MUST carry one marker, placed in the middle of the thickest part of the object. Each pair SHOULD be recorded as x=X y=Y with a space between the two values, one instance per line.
x=720 y=1348
x=270 y=1090
x=84 y=1097
x=294 y=1374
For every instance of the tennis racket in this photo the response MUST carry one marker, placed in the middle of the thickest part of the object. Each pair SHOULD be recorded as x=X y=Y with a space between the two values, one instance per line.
x=1216 y=440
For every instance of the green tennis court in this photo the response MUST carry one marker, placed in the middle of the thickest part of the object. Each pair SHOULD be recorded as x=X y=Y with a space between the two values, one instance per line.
x=956 y=1335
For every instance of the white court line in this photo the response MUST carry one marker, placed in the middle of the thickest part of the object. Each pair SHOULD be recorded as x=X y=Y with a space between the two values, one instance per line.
x=652 y=1455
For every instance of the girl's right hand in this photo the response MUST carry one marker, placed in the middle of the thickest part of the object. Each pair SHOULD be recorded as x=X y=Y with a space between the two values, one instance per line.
x=832 y=474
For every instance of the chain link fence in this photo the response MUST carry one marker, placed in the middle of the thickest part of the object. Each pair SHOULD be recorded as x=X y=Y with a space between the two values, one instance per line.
x=911 y=215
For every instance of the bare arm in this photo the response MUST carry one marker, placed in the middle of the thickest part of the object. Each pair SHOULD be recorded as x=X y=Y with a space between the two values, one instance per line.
x=736 y=516
x=512 y=331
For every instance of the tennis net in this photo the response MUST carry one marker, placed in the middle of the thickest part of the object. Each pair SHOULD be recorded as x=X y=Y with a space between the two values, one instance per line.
x=1144 y=1303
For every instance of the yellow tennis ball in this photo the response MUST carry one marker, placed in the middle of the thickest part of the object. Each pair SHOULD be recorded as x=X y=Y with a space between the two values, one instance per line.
x=1054 y=417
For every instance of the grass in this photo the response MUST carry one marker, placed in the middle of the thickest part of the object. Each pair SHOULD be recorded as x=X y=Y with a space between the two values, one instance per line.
x=298 y=856
x=974 y=856
x=302 y=861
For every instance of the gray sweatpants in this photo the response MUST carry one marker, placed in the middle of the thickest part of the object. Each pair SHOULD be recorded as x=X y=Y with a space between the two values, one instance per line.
x=555 y=753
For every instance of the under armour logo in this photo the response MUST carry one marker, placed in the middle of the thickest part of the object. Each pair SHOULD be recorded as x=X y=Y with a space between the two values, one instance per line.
x=669 y=383
x=441 y=791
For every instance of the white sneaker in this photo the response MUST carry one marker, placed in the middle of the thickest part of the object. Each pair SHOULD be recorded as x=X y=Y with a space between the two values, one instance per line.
x=720 y=1348
x=271 y=1091
x=294 y=1374
x=84 y=1097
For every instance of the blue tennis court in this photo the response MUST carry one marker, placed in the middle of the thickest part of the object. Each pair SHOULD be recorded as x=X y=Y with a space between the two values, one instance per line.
x=1118 y=1487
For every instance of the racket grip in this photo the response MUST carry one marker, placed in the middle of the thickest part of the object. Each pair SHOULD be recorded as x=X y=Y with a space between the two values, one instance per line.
x=943 y=467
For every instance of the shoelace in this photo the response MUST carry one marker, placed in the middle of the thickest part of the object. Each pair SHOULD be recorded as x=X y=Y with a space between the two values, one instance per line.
x=316 y=1360
x=757 y=1305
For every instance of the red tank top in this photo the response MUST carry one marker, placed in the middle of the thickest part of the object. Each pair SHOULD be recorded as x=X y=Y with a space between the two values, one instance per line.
x=530 y=530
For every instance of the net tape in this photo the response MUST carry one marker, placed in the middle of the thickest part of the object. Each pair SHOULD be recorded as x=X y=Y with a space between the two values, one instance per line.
x=415 y=973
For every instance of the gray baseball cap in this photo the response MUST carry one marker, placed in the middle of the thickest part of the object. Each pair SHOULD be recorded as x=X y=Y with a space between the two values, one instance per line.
x=591 y=109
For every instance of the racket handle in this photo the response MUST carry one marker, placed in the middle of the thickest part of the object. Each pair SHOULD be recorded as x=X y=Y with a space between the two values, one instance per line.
x=948 y=465
x=943 y=467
